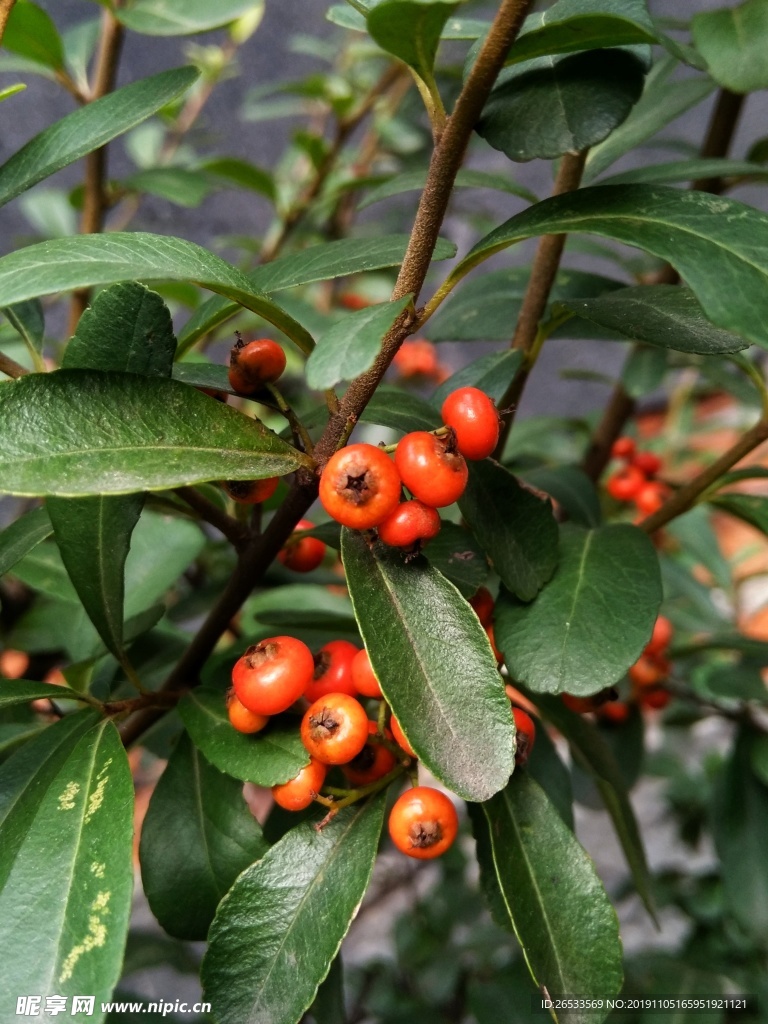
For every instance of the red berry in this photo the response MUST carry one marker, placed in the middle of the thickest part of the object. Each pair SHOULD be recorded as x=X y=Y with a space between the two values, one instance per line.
x=615 y=711
x=242 y=719
x=372 y=763
x=656 y=698
x=475 y=421
x=351 y=300
x=423 y=823
x=482 y=602
x=299 y=792
x=661 y=636
x=623 y=448
x=335 y=728
x=366 y=683
x=651 y=497
x=273 y=674
x=399 y=737
x=302 y=554
x=360 y=486
x=431 y=468
x=333 y=670
x=626 y=483
x=251 y=492
x=416 y=358
x=647 y=463
x=254 y=364
x=526 y=734
x=412 y=522
x=648 y=670
x=491 y=634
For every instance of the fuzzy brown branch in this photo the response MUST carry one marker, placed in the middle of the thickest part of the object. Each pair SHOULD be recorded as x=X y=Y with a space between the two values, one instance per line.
x=235 y=532
x=11 y=368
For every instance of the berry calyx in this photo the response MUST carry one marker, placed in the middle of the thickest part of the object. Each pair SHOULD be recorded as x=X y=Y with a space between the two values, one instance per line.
x=372 y=763
x=431 y=467
x=526 y=734
x=242 y=719
x=412 y=523
x=255 y=363
x=423 y=823
x=300 y=791
x=251 y=492
x=475 y=420
x=302 y=554
x=273 y=674
x=359 y=486
x=335 y=728
x=363 y=676
x=333 y=670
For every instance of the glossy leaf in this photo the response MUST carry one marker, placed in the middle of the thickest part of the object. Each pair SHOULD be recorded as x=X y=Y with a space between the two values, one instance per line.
x=710 y=240
x=458 y=556
x=87 y=260
x=31 y=33
x=597 y=613
x=182 y=17
x=689 y=170
x=267 y=758
x=66 y=824
x=22 y=536
x=751 y=508
x=667 y=316
x=571 y=488
x=410 y=30
x=553 y=896
x=492 y=374
x=351 y=346
x=317 y=263
x=198 y=835
x=157 y=434
x=19 y=691
x=515 y=528
x=555 y=105
x=292 y=908
x=87 y=129
x=734 y=43
x=395 y=408
x=413 y=181
x=583 y=25
x=443 y=683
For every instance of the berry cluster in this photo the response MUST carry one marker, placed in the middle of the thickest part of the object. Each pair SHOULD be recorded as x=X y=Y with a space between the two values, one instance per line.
x=636 y=480
x=360 y=486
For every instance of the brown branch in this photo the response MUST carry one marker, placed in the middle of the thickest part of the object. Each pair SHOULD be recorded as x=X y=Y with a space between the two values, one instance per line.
x=235 y=532
x=722 y=127
x=6 y=6
x=95 y=200
x=685 y=497
x=10 y=367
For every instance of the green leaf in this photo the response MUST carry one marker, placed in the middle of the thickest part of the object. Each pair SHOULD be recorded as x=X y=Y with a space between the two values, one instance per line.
x=127 y=328
x=414 y=181
x=644 y=371
x=689 y=170
x=197 y=837
x=66 y=825
x=29 y=320
x=456 y=554
x=317 y=263
x=571 y=488
x=89 y=128
x=546 y=767
x=234 y=171
x=662 y=102
x=328 y=1006
x=181 y=17
x=157 y=434
x=751 y=508
x=94 y=535
x=268 y=758
x=667 y=316
x=734 y=43
x=597 y=613
x=178 y=185
x=583 y=25
x=11 y=90
x=515 y=528
x=18 y=539
x=710 y=240
x=555 y=105
x=87 y=260
x=31 y=33
x=491 y=373
x=443 y=683
x=554 y=898
x=487 y=306
x=392 y=407
x=350 y=347
x=292 y=908
x=19 y=691
x=410 y=30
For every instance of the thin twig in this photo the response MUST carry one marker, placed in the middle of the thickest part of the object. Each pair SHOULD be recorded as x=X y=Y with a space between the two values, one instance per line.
x=234 y=531
x=10 y=367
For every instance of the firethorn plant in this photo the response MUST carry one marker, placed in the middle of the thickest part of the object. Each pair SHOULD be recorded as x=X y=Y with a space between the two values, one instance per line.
x=317 y=623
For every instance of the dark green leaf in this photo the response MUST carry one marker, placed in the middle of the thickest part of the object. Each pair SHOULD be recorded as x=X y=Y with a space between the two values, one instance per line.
x=87 y=260
x=734 y=43
x=66 y=822
x=88 y=128
x=29 y=320
x=18 y=539
x=182 y=17
x=328 y=1007
x=583 y=25
x=197 y=837
x=411 y=30
x=234 y=171
x=515 y=528
x=204 y=375
x=545 y=767
x=268 y=758
x=307 y=605
x=752 y=508
x=317 y=263
x=414 y=181
x=178 y=185
x=555 y=105
x=443 y=683
x=710 y=240
x=662 y=102
x=667 y=316
x=292 y=908
x=491 y=374
x=597 y=613
x=31 y=33
x=689 y=170
x=571 y=488
x=458 y=556
x=19 y=691
x=351 y=346
x=554 y=899
x=392 y=407
x=126 y=432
